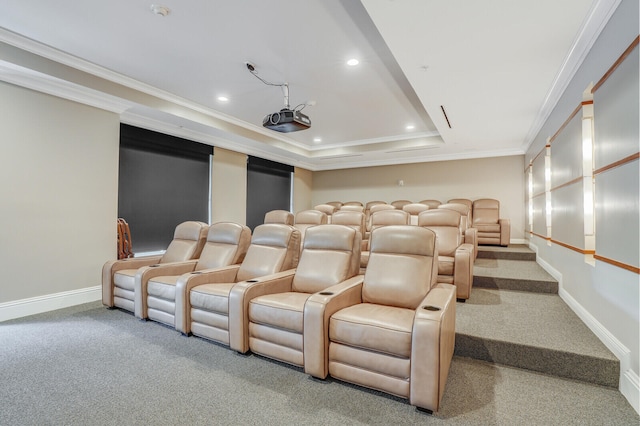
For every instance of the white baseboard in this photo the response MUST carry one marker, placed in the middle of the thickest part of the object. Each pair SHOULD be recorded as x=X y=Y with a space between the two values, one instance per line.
x=517 y=241
x=630 y=388
x=629 y=382
x=48 y=302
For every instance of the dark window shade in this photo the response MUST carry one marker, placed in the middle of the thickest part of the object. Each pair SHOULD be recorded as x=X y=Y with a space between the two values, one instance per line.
x=162 y=181
x=268 y=188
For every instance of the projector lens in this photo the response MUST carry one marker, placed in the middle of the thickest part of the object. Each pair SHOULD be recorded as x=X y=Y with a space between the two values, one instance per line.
x=275 y=118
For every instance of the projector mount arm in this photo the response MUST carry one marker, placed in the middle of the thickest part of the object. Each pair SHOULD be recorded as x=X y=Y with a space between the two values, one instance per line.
x=284 y=86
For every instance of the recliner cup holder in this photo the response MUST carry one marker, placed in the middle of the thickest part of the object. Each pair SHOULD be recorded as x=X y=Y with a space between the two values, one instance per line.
x=154 y=265
x=251 y=281
x=196 y=272
x=431 y=308
x=326 y=293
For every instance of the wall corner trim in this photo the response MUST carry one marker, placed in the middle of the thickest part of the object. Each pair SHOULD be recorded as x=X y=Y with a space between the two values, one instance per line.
x=48 y=302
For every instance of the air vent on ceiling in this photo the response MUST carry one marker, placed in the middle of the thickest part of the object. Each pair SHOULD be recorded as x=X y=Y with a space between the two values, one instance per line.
x=334 y=157
x=445 y=116
x=412 y=149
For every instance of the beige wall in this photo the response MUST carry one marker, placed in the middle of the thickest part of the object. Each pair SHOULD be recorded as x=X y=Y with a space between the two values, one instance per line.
x=302 y=187
x=59 y=174
x=229 y=186
x=501 y=178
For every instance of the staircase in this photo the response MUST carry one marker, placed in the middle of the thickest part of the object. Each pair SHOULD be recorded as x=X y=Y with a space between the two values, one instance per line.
x=515 y=317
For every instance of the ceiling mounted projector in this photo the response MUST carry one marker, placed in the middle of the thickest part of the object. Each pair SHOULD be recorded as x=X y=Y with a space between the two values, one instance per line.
x=286 y=120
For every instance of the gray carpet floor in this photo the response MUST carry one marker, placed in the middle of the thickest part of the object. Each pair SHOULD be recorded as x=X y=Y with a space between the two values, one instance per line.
x=87 y=365
x=533 y=319
x=517 y=269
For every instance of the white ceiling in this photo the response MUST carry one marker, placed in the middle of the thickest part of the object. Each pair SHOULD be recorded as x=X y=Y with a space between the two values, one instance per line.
x=497 y=67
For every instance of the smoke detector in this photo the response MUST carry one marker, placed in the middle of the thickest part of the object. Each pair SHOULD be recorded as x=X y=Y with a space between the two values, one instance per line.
x=160 y=10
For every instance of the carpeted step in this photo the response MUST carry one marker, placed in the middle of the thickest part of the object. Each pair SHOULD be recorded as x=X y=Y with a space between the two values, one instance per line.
x=518 y=275
x=512 y=252
x=533 y=331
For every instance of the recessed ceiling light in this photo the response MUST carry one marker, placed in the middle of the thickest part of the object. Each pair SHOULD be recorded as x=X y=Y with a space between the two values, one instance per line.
x=410 y=127
x=353 y=62
x=223 y=99
x=160 y=10
x=317 y=140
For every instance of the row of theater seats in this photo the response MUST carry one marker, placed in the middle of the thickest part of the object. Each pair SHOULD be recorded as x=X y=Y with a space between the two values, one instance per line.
x=482 y=214
x=391 y=329
x=456 y=243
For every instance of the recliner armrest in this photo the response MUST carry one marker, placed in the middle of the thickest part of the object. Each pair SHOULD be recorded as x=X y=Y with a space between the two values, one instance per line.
x=145 y=273
x=186 y=282
x=471 y=237
x=113 y=266
x=317 y=311
x=433 y=341
x=463 y=270
x=505 y=232
x=239 y=298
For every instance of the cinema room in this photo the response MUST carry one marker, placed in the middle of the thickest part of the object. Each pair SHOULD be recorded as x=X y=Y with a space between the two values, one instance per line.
x=322 y=212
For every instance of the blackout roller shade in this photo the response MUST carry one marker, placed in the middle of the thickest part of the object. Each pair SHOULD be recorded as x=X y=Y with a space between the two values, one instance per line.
x=163 y=180
x=268 y=188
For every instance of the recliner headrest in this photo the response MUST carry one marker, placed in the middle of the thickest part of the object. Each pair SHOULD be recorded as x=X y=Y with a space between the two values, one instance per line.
x=390 y=217
x=330 y=237
x=433 y=204
x=190 y=230
x=464 y=201
x=381 y=207
x=486 y=203
x=279 y=216
x=227 y=233
x=311 y=217
x=272 y=234
x=415 y=208
x=439 y=217
x=403 y=239
x=373 y=203
x=327 y=209
x=460 y=208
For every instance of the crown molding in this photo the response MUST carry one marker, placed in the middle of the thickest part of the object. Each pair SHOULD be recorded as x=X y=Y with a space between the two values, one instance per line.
x=415 y=159
x=44 y=83
x=600 y=13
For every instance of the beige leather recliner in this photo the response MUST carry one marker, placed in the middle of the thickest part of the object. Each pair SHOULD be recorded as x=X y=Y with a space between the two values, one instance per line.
x=486 y=219
x=398 y=204
x=367 y=211
x=470 y=234
x=379 y=219
x=336 y=204
x=400 y=339
x=455 y=258
x=433 y=204
x=370 y=204
x=203 y=305
x=283 y=325
x=372 y=210
x=279 y=216
x=227 y=244
x=414 y=209
x=467 y=203
x=352 y=208
x=119 y=276
x=327 y=209
x=307 y=218
x=352 y=219
x=352 y=203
